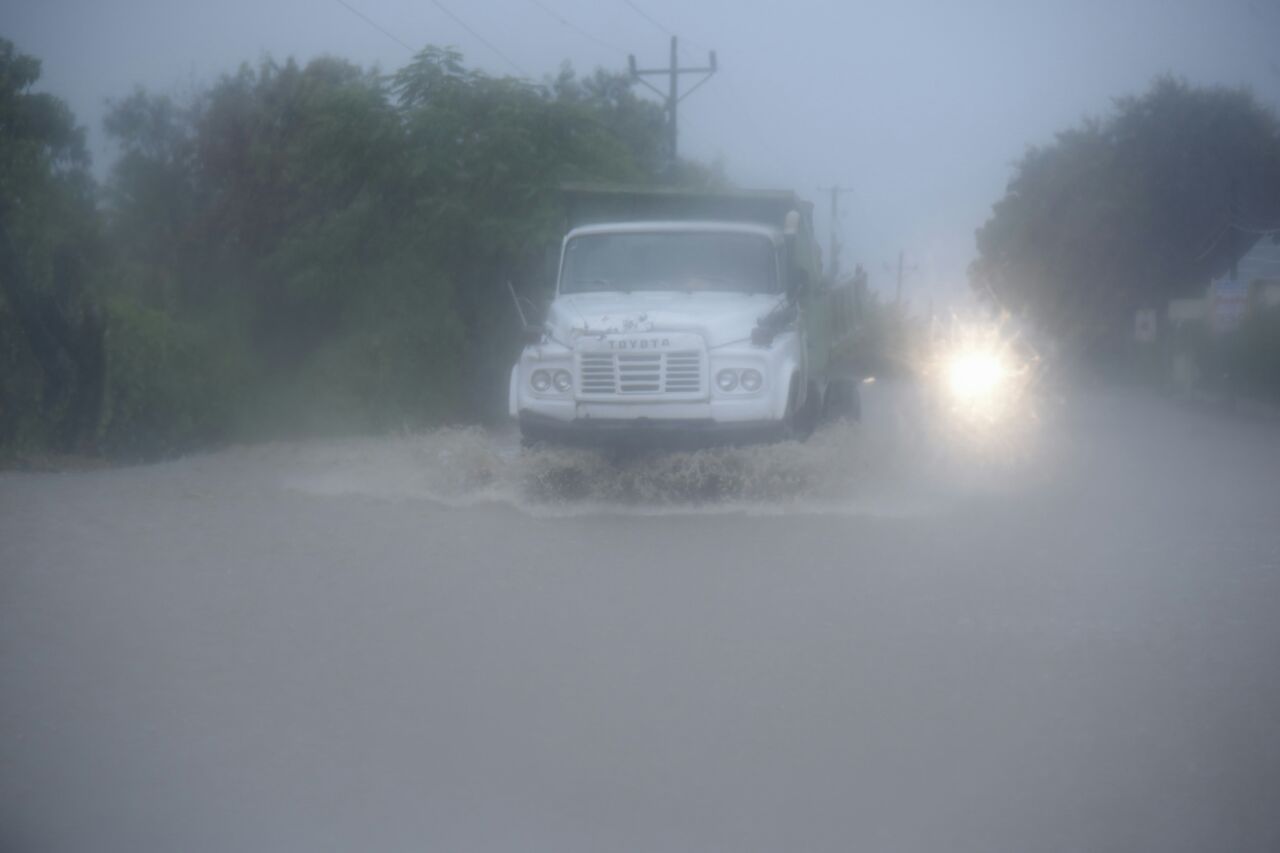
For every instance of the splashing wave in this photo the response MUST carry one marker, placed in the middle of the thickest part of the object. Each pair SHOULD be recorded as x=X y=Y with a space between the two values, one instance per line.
x=896 y=465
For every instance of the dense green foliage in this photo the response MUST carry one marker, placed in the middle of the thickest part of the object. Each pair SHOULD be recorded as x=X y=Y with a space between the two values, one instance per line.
x=296 y=248
x=51 y=341
x=1131 y=210
x=1241 y=363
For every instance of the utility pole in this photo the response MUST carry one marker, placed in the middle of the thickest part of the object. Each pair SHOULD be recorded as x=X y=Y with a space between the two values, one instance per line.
x=672 y=97
x=833 y=254
x=902 y=271
x=1233 y=217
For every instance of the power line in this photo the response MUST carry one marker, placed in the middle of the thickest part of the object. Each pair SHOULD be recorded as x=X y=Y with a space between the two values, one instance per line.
x=661 y=27
x=745 y=109
x=642 y=13
x=1253 y=229
x=577 y=29
x=481 y=39
x=371 y=22
x=1213 y=244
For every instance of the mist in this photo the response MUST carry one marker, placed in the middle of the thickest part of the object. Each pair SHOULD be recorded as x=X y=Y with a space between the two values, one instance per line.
x=416 y=434
x=920 y=108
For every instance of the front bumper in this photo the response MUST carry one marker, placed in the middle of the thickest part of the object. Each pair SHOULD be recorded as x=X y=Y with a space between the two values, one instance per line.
x=672 y=433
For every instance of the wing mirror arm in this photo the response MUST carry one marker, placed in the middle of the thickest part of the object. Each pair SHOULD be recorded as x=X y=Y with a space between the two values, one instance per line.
x=531 y=332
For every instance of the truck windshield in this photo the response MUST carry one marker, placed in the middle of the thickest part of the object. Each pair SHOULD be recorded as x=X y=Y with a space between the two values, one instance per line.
x=686 y=261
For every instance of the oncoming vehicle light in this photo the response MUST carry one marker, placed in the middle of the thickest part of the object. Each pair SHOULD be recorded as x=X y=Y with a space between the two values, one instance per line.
x=975 y=374
x=727 y=380
x=751 y=380
x=541 y=381
x=562 y=380
x=982 y=371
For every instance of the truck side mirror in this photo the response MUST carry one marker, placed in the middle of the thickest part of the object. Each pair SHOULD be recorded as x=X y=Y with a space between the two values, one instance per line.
x=532 y=333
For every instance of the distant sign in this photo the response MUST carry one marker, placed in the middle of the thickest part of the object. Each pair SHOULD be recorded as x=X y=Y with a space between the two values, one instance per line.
x=1228 y=300
x=1144 y=325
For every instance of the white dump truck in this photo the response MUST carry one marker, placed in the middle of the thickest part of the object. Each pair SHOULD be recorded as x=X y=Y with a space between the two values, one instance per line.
x=685 y=316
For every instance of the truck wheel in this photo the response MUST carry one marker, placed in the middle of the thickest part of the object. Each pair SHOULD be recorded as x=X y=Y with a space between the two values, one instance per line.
x=811 y=413
x=531 y=437
x=800 y=421
x=785 y=430
x=844 y=401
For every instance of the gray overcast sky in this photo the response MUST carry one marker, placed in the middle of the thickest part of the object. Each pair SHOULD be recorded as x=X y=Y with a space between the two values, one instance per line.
x=920 y=107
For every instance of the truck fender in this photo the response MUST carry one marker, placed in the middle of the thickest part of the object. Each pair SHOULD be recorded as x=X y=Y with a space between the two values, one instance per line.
x=789 y=372
x=513 y=391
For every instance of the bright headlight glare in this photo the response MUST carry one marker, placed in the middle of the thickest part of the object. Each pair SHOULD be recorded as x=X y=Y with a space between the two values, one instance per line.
x=727 y=380
x=540 y=380
x=975 y=374
x=562 y=380
x=981 y=371
x=751 y=380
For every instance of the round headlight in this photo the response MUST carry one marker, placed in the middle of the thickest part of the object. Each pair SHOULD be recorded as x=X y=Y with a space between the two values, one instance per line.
x=562 y=380
x=541 y=380
x=751 y=380
x=727 y=380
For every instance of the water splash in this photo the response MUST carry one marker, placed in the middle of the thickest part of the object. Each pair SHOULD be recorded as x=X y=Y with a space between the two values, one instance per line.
x=901 y=462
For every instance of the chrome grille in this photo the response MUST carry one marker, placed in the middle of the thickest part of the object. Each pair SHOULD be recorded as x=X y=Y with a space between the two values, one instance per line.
x=684 y=373
x=597 y=373
x=640 y=374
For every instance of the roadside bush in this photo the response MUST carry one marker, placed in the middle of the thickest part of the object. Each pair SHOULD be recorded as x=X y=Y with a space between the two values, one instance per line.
x=1255 y=353
x=1245 y=362
x=394 y=362
x=170 y=385
x=23 y=425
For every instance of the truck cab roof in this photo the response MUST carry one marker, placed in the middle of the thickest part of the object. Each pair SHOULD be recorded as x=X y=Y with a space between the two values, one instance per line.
x=677 y=226
x=590 y=204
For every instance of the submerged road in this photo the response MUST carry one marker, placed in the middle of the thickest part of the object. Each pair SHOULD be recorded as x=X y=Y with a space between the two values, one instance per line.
x=303 y=648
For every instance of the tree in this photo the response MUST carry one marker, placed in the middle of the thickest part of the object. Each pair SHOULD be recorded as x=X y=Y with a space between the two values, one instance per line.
x=1131 y=210
x=51 y=332
x=294 y=247
x=351 y=232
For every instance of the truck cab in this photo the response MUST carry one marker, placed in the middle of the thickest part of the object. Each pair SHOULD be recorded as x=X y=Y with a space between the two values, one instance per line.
x=683 y=317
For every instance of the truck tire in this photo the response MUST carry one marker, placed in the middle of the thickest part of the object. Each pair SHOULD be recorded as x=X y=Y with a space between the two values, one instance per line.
x=533 y=436
x=800 y=421
x=843 y=402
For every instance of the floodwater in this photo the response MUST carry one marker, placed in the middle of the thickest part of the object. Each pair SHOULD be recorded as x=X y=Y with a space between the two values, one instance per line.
x=908 y=634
